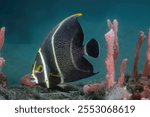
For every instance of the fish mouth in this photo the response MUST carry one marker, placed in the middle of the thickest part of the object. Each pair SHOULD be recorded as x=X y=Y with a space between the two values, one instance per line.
x=32 y=78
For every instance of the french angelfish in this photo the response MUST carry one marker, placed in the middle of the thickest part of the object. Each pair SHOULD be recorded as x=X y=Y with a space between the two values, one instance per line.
x=61 y=56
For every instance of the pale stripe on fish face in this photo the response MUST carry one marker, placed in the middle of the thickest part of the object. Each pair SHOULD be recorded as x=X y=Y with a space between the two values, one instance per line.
x=33 y=75
x=45 y=70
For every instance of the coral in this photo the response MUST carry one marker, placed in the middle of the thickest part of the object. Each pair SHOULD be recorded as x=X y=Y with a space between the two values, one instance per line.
x=141 y=82
x=117 y=93
x=92 y=88
x=146 y=71
x=110 y=64
x=136 y=59
x=122 y=72
x=2 y=37
x=139 y=85
x=114 y=26
x=2 y=62
x=146 y=93
x=112 y=54
x=27 y=81
x=3 y=79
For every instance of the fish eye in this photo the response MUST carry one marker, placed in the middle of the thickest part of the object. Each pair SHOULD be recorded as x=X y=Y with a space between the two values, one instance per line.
x=39 y=68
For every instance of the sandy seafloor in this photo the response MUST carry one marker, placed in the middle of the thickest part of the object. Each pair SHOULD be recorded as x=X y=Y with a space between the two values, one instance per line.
x=28 y=23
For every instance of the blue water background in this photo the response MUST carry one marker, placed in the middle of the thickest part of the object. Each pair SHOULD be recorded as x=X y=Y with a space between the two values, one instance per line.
x=28 y=22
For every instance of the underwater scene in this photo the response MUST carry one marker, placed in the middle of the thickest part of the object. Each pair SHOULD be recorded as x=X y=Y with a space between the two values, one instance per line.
x=75 y=50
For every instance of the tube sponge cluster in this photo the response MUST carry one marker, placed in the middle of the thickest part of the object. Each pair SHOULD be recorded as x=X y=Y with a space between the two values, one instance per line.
x=134 y=86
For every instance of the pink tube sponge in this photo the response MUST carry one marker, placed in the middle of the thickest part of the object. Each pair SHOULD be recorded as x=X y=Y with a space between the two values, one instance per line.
x=114 y=26
x=146 y=71
x=26 y=81
x=122 y=72
x=110 y=64
x=2 y=37
x=2 y=62
x=92 y=88
x=137 y=53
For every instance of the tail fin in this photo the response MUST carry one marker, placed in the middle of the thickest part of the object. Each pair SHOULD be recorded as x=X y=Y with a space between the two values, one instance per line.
x=92 y=48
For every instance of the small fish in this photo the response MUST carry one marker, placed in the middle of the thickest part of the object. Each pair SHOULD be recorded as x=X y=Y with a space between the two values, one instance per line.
x=61 y=56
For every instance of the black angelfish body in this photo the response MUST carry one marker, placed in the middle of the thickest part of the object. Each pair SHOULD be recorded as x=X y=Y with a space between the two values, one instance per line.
x=60 y=58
